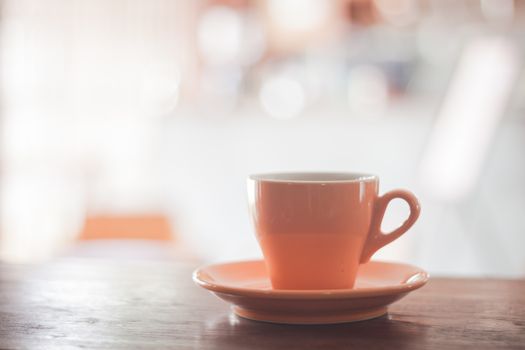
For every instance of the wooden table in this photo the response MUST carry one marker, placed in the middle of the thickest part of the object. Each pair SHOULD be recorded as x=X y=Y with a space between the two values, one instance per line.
x=155 y=305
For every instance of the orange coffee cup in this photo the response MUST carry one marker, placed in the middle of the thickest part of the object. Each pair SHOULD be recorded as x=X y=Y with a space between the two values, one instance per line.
x=315 y=229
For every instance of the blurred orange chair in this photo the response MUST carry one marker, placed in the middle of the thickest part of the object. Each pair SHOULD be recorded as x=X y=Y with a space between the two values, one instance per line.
x=150 y=227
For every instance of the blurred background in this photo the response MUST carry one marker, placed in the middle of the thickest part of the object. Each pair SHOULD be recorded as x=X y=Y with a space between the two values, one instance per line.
x=128 y=127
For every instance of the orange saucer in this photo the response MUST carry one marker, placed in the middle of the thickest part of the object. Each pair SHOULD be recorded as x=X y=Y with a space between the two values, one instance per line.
x=247 y=287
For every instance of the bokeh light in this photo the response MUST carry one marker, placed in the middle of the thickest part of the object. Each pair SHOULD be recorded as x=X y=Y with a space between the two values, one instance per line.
x=367 y=91
x=299 y=15
x=282 y=97
x=220 y=35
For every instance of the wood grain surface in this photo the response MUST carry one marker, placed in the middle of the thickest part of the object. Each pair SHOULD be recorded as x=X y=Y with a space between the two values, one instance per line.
x=93 y=304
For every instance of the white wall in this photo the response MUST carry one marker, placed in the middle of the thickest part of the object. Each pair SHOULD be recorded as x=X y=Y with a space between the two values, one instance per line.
x=84 y=84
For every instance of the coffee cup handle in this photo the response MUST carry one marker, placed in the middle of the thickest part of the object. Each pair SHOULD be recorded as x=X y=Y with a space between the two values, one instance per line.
x=376 y=238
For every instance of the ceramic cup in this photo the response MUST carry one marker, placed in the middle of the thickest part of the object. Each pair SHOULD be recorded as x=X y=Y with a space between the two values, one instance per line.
x=315 y=229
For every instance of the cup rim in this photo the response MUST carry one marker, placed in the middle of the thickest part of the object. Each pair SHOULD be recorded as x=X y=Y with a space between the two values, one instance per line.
x=314 y=177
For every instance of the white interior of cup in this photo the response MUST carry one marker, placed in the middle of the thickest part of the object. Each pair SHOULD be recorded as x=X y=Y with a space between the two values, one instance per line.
x=322 y=177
